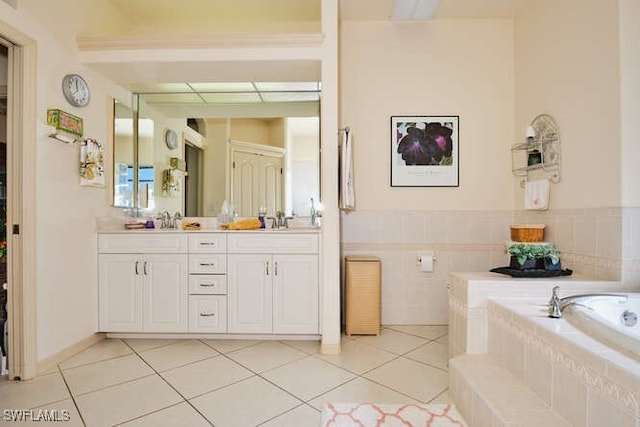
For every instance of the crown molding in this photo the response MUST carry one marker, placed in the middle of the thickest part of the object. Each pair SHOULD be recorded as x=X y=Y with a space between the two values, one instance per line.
x=228 y=41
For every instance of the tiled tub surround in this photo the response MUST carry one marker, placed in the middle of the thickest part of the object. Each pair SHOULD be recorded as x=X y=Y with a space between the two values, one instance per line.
x=603 y=243
x=470 y=293
x=461 y=241
x=574 y=375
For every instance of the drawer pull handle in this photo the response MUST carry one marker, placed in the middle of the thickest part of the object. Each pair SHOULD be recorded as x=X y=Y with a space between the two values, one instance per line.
x=208 y=285
x=276 y=268
x=137 y=272
x=207 y=243
x=267 y=264
x=144 y=268
x=207 y=264
x=207 y=314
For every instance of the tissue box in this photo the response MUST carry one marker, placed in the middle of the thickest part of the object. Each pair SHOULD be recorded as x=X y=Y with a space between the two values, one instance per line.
x=527 y=232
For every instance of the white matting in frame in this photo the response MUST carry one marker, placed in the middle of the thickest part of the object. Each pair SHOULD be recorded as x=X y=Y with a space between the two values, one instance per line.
x=424 y=151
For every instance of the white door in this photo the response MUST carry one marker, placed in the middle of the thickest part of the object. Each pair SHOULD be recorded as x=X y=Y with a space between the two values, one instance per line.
x=246 y=183
x=271 y=184
x=257 y=180
x=120 y=292
x=295 y=294
x=166 y=291
x=249 y=293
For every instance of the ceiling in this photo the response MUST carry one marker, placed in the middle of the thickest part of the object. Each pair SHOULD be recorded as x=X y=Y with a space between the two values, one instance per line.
x=206 y=17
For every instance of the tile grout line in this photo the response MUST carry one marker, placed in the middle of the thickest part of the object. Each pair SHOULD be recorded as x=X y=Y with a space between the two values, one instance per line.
x=172 y=387
x=73 y=398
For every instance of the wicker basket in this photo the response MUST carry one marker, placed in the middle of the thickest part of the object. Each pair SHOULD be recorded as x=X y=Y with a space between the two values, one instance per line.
x=527 y=232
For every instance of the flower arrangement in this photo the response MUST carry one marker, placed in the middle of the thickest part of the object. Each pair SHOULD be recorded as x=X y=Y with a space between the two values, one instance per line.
x=523 y=252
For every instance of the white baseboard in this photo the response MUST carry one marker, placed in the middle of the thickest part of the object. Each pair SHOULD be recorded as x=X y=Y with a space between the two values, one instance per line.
x=51 y=361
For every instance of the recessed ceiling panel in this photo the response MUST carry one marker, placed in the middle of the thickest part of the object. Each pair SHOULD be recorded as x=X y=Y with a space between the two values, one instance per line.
x=287 y=86
x=230 y=98
x=172 y=98
x=290 y=96
x=223 y=87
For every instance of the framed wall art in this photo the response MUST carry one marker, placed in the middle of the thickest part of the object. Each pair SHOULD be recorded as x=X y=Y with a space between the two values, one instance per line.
x=424 y=151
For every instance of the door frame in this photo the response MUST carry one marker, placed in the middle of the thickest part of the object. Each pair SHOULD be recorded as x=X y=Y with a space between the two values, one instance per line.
x=21 y=202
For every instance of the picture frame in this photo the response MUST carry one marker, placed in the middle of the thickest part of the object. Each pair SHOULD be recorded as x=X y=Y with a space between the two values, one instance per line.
x=424 y=151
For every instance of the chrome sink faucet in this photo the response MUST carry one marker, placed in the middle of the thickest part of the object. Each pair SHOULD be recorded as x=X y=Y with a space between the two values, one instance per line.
x=280 y=220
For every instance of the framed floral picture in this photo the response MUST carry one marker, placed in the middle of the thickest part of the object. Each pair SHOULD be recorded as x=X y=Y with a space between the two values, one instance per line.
x=424 y=151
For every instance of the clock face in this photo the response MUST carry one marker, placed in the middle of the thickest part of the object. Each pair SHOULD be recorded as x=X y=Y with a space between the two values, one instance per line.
x=171 y=139
x=76 y=90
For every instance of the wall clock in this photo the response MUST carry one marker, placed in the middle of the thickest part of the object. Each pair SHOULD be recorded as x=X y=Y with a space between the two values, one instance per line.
x=76 y=90
x=171 y=139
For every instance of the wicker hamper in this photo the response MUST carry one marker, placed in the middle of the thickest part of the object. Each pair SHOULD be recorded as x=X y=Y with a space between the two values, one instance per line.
x=527 y=232
x=363 y=301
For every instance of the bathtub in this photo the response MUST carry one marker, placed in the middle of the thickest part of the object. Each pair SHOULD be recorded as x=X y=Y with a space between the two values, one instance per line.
x=612 y=320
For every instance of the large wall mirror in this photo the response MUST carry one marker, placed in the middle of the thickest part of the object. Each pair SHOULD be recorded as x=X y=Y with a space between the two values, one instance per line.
x=255 y=145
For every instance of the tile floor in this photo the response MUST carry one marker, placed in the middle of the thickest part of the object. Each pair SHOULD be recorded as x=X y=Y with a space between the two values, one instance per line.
x=144 y=382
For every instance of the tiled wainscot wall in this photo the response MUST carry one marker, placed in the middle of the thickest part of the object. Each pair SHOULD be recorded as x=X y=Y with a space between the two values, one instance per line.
x=595 y=243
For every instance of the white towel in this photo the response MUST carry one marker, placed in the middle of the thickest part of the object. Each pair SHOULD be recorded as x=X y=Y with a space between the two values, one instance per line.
x=536 y=195
x=347 y=193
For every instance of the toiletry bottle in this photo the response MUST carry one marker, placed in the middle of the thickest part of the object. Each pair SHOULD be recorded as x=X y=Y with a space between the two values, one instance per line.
x=261 y=214
x=312 y=213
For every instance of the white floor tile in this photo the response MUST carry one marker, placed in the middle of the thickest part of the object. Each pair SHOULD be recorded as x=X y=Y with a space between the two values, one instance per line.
x=178 y=354
x=309 y=377
x=86 y=378
x=358 y=358
x=266 y=355
x=433 y=353
x=104 y=350
x=309 y=347
x=142 y=344
x=392 y=341
x=443 y=339
x=226 y=346
x=443 y=397
x=181 y=414
x=425 y=331
x=205 y=376
x=412 y=378
x=33 y=393
x=301 y=416
x=361 y=390
x=247 y=403
x=126 y=401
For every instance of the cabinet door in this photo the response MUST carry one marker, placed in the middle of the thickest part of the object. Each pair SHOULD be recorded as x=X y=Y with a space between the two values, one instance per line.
x=249 y=293
x=295 y=294
x=120 y=292
x=166 y=293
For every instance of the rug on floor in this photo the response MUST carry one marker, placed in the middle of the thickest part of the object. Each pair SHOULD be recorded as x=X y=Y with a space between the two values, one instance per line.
x=388 y=415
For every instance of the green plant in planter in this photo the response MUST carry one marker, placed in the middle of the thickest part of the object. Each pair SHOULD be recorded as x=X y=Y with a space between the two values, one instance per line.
x=525 y=251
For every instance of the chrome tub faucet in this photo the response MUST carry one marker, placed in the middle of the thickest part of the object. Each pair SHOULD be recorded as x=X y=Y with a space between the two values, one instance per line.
x=557 y=305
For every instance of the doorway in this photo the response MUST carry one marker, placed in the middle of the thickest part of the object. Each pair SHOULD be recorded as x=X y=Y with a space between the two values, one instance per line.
x=4 y=318
x=192 y=156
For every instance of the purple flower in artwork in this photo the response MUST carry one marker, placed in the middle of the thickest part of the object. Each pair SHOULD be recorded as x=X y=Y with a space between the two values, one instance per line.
x=426 y=146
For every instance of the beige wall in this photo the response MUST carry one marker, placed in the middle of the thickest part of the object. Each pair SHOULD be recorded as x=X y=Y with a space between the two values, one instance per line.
x=444 y=67
x=66 y=255
x=629 y=13
x=567 y=64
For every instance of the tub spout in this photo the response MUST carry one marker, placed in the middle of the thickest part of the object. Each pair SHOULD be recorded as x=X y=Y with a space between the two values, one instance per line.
x=557 y=305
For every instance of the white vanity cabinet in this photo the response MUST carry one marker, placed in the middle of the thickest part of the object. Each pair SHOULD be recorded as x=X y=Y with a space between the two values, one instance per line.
x=142 y=283
x=208 y=282
x=273 y=283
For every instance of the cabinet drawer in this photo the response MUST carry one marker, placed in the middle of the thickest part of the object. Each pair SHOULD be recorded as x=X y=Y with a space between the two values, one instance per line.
x=207 y=264
x=152 y=242
x=207 y=243
x=208 y=313
x=208 y=284
x=284 y=242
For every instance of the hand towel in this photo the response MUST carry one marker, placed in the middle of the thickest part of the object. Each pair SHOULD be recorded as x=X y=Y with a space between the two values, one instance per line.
x=243 y=224
x=536 y=195
x=347 y=191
